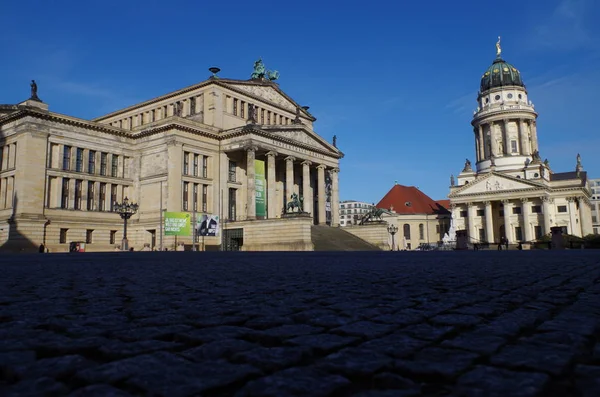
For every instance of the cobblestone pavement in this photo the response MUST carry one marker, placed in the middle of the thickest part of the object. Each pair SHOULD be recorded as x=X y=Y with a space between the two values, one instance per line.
x=516 y=323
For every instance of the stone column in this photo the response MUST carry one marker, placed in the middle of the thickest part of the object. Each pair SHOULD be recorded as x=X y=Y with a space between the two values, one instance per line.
x=471 y=215
x=489 y=223
x=250 y=183
x=271 y=210
x=477 y=154
x=526 y=209
x=289 y=177
x=335 y=198
x=321 y=193
x=505 y=138
x=524 y=141
x=306 y=189
x=546 y=209
x=481 y=143
x=534 y=134
x=507 y=207
x=493 y=140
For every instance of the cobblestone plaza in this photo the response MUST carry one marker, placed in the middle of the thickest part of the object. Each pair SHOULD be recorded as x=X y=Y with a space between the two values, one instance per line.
x=487 y=323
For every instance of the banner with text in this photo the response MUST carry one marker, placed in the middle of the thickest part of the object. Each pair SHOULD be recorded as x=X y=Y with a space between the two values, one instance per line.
x=260 y=186
x=177 y=224
x=207 y=225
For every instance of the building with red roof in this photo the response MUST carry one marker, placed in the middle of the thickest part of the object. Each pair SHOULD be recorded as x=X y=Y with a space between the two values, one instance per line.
x=419 y=218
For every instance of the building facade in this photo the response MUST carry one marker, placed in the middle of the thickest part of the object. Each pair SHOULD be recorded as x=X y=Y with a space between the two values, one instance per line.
x=511 y=192
x=595 y=187
x=193 y=150
x=419 y=218
x=351 y=212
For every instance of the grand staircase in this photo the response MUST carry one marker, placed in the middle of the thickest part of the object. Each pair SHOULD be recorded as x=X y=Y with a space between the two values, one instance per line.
x=327 y=238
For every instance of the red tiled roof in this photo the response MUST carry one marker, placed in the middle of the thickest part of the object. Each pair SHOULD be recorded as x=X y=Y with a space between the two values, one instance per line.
x=410 y=200
x=444 y=203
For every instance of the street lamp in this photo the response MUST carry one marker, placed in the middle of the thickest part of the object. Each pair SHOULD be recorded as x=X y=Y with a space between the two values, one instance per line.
x=392 y=229
x=126 y=210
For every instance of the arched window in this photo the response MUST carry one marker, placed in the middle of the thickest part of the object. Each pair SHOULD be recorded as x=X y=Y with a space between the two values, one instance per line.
x=421 y=232
x=406 y=230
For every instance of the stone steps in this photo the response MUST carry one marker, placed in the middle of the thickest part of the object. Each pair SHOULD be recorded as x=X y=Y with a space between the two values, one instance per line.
x=325 y=238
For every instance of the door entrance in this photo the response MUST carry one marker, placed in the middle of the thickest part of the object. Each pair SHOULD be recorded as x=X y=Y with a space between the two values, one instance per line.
x=233 y=239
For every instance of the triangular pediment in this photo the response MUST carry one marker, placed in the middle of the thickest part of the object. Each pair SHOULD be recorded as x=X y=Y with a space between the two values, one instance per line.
x=493 y=182
x=302 y=136
x=268 y=93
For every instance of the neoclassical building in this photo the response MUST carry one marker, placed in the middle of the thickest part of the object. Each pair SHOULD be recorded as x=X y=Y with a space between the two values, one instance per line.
x=511 y=192
x=192 y=150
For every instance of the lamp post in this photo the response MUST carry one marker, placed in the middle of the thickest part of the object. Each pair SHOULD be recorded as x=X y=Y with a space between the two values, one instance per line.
x=125 y=210
x=392 y=229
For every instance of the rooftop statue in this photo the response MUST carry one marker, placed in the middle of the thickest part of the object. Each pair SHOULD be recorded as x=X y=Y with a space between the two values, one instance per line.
x=34 y=90
x=260 y=72
x=578 y=160
x=498 y=48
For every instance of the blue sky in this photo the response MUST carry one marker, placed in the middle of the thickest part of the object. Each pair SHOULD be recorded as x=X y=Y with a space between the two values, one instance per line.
x=396 y=81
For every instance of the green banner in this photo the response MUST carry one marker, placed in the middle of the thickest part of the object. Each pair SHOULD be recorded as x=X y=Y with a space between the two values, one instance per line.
x=177 y=224
x=260 y=186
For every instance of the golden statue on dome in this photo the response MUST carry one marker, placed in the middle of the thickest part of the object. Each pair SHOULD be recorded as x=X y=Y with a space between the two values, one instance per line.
x=498 y=49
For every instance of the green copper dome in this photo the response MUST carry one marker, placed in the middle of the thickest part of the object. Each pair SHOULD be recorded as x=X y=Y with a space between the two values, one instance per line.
x=500 y=74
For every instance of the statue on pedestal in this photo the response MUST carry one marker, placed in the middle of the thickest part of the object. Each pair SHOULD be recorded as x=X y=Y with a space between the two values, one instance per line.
x=295 y=202
x=335 y=141
x=34 y=89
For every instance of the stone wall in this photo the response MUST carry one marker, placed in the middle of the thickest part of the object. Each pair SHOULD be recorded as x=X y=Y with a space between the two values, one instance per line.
x=276 y=234
x=375 y=234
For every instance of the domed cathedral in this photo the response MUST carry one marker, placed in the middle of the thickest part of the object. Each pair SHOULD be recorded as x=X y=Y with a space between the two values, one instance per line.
x=510 y=192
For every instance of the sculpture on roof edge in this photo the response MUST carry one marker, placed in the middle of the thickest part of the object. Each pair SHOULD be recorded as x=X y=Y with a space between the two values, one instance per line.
x=578 y=160
x=498 y=48
x=34 y=90
x=335 y=141
x=297 y=119
x=467 y=166
x=251 y=114
x=451 y=180
x=260 y=72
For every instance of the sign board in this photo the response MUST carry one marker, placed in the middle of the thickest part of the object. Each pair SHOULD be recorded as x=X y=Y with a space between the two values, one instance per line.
x=208 y=225
x=260 y=185
x=177 y=224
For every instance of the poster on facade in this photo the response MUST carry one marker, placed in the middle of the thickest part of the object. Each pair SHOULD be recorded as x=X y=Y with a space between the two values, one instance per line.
x=260 y=184
x=207 y=225
x=177 y=224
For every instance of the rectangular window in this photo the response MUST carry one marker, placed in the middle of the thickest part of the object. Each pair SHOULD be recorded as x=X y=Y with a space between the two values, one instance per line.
x=242 y=109
x=113 y=237
x=114 y=166
x=78 y=184
x=501 y=212
x=113 y=197
x=268 y=117
x=79 y=160
x=196 y=164
x=513 y=147
x=102 y=198
x=594 y=219
x=232 y=171
x=280 y=119
x=67 y=158
x=186 y=189
x=235 y=107
x=90 y=196
x=536 y=209
x=516 y=210
x=88 y=236
x=537 y=231
x=262 y=116
x=518 y=233
x=63 y=236
x=204 y=197
x=64 y=197
x=186 y=163
x=463 y=214
x=232 y=204
x=480 y=212
x=204 y=166
x=103 y=160
x=437 y=229
x=92 y=162
x=562 y=208
x=195 y=197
